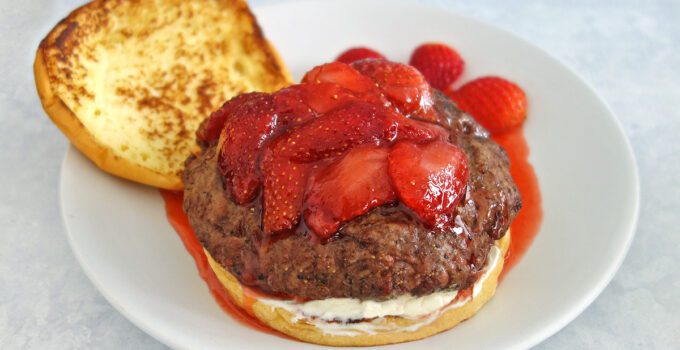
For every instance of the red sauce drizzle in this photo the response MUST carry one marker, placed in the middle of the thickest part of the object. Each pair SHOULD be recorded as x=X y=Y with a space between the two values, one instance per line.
x=463 y=295
x=180 y=222
x=527 y=222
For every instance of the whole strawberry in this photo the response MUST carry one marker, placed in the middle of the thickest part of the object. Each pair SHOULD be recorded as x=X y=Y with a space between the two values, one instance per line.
x=358 y=53
x=496 y=103
x=440 y=64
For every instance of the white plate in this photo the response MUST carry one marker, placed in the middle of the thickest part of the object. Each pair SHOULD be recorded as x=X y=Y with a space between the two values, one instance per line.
x=587 y=174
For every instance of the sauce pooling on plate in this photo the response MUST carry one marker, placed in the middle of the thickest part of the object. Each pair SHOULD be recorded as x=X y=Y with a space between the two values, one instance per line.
x=180 y=222
x=527 y=222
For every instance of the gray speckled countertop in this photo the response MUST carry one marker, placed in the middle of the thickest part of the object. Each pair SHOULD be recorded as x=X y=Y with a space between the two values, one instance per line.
x=628 y=50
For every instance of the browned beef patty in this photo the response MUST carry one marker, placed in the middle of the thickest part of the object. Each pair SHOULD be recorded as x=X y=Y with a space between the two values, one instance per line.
x=380 y=255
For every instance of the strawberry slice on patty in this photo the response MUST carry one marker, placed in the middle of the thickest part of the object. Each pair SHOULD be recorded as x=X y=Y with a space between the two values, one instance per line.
x=287 y=160
x=211 y=128
x=291 y=107
x=403 y=85
x=361 y=176
x=247 y=127
x=334 y=84
x=323 y=97
x=341 y=74
x=248 y=121
x=429 y=178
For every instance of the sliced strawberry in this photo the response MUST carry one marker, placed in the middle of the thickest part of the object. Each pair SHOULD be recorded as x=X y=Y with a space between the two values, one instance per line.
x=210 y=128
x=254 y=118
x=403 y=85
x=285 y=160
x=291 y=107
x=429 y=178
x=323 y=97
x=284 y=187
x=341 y=74
x=348 y=126
x=246 y=129
x=358 y=53
x=299 y=103
x=350 y=187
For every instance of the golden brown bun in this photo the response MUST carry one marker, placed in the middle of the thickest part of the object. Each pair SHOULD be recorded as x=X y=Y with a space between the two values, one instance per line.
x=128 y=82
x=282 y=320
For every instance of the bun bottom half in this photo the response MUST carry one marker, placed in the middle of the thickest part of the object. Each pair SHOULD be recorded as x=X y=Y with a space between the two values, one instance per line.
x=403 y=329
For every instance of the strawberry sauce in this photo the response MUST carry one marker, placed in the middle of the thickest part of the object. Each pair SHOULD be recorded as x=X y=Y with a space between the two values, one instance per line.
x=180 y=222
x=527 y=222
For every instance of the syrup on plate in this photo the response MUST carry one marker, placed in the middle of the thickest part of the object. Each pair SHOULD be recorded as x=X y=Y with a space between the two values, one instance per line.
x=527 y=222
x=180 y=222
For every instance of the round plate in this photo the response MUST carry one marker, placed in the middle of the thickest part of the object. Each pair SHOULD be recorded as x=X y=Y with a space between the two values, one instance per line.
x=587 y=174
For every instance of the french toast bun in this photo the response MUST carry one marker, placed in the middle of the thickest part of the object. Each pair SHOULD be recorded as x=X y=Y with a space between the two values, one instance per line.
x=128 y=82
x=391 y=329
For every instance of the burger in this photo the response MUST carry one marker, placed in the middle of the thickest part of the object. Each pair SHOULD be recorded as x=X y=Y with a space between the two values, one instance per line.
x=359 y=207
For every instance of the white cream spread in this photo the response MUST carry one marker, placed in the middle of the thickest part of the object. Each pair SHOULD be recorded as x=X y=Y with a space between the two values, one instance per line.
x=333 y=315
x=492 y=258
x=343 y=309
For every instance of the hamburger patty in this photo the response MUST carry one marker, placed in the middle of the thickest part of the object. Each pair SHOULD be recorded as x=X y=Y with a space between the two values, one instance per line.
x=380 y=255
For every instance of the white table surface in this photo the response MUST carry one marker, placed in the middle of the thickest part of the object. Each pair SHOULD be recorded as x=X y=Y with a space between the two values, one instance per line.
x=628 y=50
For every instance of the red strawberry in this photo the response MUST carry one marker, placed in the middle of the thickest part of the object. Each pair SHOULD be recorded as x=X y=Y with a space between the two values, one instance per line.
x=440 y=64
x=251 y=119
x=403 y=85
x=322 y=97
x=248 y=126
x=358 y=53
x=291 y=107
x=361 y=176
x=429 y=178
x=306 y=100
x=286 y=160
x=210 y=128
x=284 y=185
x=341 y=74
x=496 y=103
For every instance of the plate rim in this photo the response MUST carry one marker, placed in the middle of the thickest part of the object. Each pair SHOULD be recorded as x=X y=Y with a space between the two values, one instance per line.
x=71 y=151
x=563 y=320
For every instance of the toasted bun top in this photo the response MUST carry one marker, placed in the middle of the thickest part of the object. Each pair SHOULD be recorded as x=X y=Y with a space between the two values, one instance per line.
x=140 y=76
